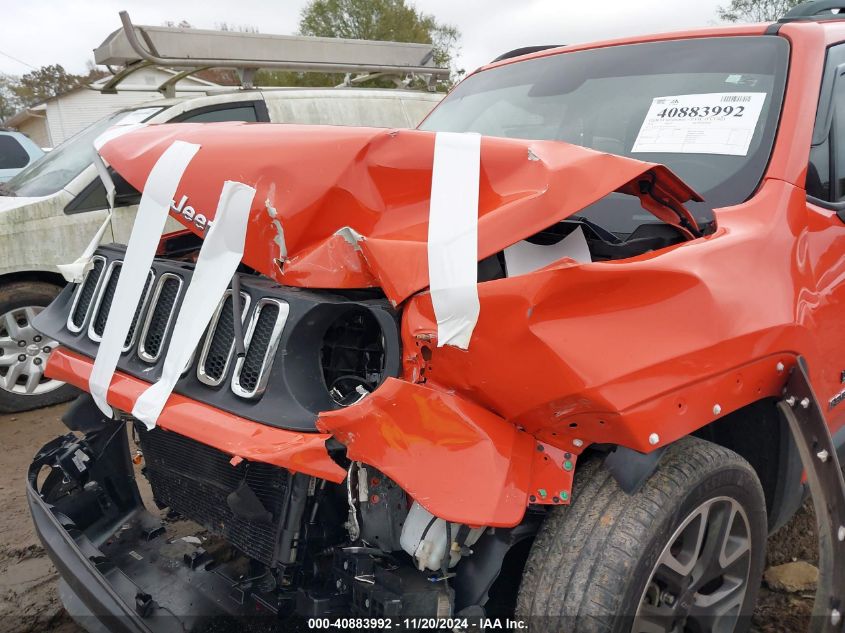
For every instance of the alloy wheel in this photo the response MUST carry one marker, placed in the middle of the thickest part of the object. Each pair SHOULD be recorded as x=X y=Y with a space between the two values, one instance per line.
x=699 y=582
x=23 y=354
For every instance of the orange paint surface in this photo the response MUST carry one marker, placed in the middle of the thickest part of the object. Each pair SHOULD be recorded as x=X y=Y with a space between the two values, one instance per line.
x=636 y=352
x=241 y=438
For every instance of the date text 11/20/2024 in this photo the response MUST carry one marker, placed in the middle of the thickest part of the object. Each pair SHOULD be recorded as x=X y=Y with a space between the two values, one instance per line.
x=414 y=624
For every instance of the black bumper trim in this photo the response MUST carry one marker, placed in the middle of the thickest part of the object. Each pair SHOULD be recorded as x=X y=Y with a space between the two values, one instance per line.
x=68 y=553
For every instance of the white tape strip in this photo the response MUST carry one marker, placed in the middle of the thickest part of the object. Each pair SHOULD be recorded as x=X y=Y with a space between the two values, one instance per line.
x=218 y=259
x=453 y=236
x=74 y=272
x=146 y=232
x=105 y=178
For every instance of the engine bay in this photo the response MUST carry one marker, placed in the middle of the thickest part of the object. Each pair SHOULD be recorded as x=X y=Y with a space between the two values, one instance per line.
x=227 y=538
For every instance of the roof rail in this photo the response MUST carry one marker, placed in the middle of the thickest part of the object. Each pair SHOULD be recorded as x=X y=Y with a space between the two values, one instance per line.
x=813 y=10
x=192 y=50
x=525 y=50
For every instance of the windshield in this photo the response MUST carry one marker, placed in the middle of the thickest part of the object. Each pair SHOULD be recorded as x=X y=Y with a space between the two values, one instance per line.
x=706 y=108
x=58 y=167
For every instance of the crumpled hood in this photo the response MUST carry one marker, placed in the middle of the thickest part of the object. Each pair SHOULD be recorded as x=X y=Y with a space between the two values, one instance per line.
x=340 y=207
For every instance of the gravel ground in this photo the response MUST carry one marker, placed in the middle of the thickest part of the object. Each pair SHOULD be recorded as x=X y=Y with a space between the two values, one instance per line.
x=29 y=600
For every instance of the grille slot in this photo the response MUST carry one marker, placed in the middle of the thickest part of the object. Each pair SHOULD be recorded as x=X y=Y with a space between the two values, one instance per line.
x=85 y=294
x=219 y=343
x=102 y=309
x=261 y=340
x=160 y=317
x=103 y=306
x=194 y=480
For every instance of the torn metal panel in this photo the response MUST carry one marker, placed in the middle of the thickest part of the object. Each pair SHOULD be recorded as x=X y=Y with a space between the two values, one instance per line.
x=612 y=352
x=269 y=204
x=378 y=183
x=429 y=442
x=327 y=263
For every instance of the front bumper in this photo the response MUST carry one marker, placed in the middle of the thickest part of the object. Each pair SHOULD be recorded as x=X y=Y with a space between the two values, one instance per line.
x=239 y=437
x=123 y=569
x=95 y=601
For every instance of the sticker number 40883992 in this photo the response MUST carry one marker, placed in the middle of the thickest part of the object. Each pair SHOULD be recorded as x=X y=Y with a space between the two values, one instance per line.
x=716 y=123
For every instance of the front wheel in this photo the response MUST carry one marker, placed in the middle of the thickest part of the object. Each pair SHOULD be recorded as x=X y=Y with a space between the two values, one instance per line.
x=24 y=351
x=683 y=555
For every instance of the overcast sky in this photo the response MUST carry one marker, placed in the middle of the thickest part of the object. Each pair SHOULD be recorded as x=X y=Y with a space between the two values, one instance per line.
x=41 y=32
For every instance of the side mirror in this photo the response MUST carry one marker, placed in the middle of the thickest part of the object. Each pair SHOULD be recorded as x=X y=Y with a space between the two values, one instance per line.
x=837 y=207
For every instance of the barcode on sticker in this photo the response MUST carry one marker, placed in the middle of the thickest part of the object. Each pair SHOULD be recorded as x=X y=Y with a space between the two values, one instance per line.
x=736 y=99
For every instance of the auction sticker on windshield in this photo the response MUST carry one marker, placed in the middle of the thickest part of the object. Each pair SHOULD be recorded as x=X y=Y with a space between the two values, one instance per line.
x=717 y=123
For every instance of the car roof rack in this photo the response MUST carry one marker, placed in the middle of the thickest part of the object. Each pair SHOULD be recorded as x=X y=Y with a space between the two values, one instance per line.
x=189 y=51
x=525 y=50
x=815 y=10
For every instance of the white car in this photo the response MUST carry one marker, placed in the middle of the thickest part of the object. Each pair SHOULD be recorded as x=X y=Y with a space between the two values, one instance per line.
x=16 y=152
x=50 y=210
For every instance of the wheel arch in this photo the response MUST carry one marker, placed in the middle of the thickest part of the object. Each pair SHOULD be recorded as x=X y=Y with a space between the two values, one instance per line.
x=759 y=434
x=45 y=276
x=756 y=432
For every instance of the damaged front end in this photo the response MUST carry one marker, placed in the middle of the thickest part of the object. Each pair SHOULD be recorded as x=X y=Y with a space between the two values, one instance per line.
x=245 y=541
x=310 y=462
x=280 y=519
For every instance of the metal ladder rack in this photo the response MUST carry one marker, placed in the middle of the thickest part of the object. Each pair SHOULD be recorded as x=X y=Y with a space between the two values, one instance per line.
x=134 y=47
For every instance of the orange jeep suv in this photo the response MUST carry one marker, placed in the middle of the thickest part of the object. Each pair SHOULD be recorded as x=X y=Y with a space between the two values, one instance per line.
x=557 y=359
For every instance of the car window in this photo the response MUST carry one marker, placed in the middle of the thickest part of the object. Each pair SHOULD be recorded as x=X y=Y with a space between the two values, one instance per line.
x=238 y=113
x=93 y=196
x=12 y=153
x=657 y=102
x=55 y=170
x=827 y=153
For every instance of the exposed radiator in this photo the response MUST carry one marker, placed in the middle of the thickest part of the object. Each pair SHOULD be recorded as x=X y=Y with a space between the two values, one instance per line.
x=194 y=480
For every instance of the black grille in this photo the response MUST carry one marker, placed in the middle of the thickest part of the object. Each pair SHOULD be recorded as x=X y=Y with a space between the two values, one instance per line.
x=194 y=480
x=105 y=303
x=261 y=338
x=108 y=297
x=86 y=294
x=131 y=334
x=221 y=342
x=161 y=312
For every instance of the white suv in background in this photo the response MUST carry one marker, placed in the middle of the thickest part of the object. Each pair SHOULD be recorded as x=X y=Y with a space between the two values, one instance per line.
x=50 y=210
x=16 y=152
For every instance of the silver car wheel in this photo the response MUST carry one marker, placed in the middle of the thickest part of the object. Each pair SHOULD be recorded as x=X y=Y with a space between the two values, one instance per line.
x=699 y=581
x=23 y=354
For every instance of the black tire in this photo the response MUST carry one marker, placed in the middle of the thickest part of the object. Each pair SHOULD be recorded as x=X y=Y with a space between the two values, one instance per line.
x=591 y=562
x=22 y=294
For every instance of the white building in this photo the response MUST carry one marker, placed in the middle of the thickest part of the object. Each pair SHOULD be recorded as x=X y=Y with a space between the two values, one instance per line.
x=51 y=122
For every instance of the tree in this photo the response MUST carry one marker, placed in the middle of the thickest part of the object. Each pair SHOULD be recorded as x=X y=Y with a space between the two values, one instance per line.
x=45 y=83
x=756 y=10
x=392 y=20
x=17 y=93
x=9 y=100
